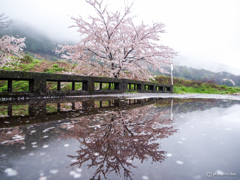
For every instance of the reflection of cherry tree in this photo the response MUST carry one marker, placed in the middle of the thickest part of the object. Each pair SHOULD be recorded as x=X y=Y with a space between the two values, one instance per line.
x=11 y=136
x=78 y=105
x=111 y=141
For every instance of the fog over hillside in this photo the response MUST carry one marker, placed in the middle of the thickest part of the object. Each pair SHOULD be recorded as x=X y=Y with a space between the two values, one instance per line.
x=210 y=65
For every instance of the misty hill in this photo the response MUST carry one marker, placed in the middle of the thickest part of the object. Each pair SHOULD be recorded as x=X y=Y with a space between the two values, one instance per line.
x=36 y=41
x=221 y=78
x=210 y=65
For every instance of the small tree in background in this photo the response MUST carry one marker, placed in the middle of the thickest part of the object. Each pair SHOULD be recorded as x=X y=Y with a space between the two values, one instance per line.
x=228 y=83
x=9 y=45
x=4 y=22
x=115 y=41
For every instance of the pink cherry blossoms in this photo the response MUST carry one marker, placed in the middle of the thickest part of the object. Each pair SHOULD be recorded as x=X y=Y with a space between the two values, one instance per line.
x=10 y=46
x=111 y=38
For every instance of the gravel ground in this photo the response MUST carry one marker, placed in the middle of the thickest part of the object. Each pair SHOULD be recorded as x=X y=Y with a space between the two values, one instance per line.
x=169 y=95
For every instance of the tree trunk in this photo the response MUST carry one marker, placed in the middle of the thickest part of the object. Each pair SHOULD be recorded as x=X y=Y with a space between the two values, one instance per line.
x=114 y=74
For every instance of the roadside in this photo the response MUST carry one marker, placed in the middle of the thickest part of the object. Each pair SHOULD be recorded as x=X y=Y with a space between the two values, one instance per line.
x=193 y=86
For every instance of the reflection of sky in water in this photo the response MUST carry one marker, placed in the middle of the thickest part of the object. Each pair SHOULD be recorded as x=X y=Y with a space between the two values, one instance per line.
x=207 y=141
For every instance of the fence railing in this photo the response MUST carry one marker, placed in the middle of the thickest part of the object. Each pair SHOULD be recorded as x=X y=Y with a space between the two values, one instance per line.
x=80 y=85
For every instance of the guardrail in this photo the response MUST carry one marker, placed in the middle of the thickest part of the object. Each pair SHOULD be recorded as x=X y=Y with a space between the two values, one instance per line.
x=89 y=85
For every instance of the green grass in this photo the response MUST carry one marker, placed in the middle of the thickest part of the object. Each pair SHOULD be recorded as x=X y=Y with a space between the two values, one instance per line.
x=65 y=86
x=3 y=111
x=205 y=90
x=17 y=86
x=18 y=110
x=188 y=86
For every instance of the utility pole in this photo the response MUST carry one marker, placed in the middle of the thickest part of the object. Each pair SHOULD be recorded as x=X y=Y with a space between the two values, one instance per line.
x=172 y=73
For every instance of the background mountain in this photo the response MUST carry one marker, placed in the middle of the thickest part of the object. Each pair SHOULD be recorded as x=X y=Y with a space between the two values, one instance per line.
x=221 y=78
x=206 y=64
x=36 y=41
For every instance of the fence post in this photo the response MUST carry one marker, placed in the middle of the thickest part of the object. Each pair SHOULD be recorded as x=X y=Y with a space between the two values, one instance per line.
x=171 y=88
x=73 y=86
x=10 y=110
x=116 y=86
x=10 y=85
x=124 y=85
x=73 y=105
x=40 y=85
x=154 y=88
x=59 y=85
x=90 y=86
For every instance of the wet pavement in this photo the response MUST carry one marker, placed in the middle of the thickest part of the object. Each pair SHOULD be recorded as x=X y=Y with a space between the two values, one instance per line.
x=124 y=137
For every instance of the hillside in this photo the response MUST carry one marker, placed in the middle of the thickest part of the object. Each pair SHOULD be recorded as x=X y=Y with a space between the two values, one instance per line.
x=221 y=78
x=193 y=86
x=36 y=41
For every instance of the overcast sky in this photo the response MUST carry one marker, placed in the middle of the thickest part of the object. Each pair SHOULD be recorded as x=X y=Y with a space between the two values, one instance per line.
x=202 y=31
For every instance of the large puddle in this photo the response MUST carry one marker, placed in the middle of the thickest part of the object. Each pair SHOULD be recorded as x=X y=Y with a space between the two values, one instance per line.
x=110 y=138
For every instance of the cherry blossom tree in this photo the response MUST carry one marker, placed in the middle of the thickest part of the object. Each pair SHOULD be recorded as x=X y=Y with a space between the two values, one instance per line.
x=9 y=45
x=114 y=40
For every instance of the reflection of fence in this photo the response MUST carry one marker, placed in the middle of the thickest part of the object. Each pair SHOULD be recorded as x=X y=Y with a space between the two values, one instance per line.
x=18 y=113
x=79 y=85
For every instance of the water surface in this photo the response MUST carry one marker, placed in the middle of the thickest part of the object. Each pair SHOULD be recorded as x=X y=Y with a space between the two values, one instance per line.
x=119 y=139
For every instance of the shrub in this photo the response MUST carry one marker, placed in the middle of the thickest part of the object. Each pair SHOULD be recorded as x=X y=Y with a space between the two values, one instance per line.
x=228 y=83
x=27 y=59
x=55 y=65
x=7 y=68
x=46 y=69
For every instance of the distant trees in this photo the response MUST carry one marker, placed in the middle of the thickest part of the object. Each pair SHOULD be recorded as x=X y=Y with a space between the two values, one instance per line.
x=9 y=45
x=113 y=39
x=4 y=22
x=202 y=75
x=35 y=41
x=227 y=82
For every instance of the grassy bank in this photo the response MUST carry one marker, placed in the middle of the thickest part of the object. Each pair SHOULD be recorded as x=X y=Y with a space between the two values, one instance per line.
x=27 y=63
x=36 y=65
x=189 y=86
